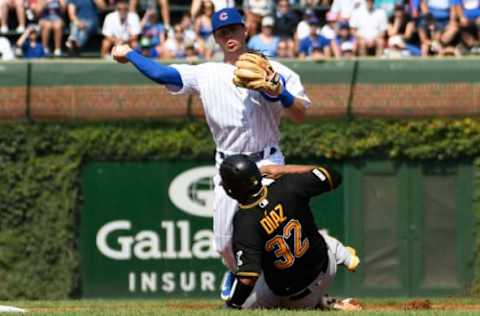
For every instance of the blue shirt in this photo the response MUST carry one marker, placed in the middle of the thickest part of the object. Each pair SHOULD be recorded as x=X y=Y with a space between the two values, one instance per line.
x=32 y=52
x=52 y=9
x=85 y=9
x=153 y=31
x=268 y=49
x=471 y=8
x=308 y=44
x=440 y=9
x=152 y=52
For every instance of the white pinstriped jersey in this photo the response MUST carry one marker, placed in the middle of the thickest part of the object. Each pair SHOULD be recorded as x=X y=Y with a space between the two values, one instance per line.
x=240 y=120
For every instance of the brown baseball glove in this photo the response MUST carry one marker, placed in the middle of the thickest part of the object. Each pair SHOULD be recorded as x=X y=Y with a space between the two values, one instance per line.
x=255 y=72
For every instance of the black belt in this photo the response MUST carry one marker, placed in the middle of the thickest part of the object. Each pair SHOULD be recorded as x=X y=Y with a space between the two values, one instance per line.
x=260 y=155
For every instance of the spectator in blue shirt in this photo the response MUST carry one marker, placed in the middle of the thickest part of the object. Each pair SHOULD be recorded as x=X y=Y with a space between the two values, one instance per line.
x=29 y=43
x=468 y=12
x=152 y=28
x=83 y=15
x=437 y=26
x=265 y=42
x=314 y=46
x=147 y=48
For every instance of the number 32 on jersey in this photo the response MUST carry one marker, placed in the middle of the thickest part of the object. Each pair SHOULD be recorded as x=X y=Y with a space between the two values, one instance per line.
x=278 y=244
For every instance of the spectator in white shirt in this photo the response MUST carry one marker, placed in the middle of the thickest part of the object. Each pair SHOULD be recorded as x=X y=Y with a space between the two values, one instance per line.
x=255 y=10
x=6 y=52
x=303 y=28
x=120 y=26
x=329 y=29
x=343 y=9
x=369 y=26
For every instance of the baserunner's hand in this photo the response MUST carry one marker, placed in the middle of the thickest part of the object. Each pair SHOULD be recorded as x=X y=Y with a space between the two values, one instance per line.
x=119 y=53
x=272 y=171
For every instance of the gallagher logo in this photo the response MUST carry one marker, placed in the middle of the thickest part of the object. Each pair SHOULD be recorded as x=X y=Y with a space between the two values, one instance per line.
x=192 y=191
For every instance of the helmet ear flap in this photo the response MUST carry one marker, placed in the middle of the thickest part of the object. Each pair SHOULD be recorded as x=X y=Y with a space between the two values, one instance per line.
x=227 y=189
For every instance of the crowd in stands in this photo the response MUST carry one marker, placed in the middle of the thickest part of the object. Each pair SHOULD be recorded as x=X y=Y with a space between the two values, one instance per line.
x=305 y=29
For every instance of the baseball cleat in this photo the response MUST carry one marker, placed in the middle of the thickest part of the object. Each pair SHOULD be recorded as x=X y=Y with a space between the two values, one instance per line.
x=347 y=304
x=227 y=286
x=354 y=260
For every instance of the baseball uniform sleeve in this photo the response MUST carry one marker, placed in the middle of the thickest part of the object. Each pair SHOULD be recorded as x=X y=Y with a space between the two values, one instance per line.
x=247 y=246
x=188 y=73
x=161 y=74
x=293 y=82
x=315 y=182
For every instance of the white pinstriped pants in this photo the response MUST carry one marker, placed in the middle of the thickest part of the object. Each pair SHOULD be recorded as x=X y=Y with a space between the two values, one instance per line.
x=224 y=207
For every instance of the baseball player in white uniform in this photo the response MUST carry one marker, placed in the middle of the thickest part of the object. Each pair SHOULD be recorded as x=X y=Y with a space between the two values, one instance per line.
x=240 y=120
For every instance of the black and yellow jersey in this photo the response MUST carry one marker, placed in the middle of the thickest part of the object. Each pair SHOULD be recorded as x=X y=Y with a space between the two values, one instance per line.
x=277 y=234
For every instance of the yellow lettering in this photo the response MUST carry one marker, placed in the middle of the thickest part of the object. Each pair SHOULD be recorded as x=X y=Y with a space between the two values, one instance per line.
x=273 y=219
x=268 y=225
x=279 y=208
x=276 y=218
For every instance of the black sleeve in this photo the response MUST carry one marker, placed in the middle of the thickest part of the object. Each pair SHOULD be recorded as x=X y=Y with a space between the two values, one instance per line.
x=247 y=244
x=315 y=182
x=240 y=294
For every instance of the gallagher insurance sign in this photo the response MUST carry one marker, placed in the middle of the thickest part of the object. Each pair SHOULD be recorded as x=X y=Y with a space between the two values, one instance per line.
x=146 y=230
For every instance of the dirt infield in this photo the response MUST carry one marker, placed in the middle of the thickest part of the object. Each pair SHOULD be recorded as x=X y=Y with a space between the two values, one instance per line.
x=419 y=304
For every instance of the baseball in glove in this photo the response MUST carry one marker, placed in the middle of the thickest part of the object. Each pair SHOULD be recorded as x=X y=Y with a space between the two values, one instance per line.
x=255 y=72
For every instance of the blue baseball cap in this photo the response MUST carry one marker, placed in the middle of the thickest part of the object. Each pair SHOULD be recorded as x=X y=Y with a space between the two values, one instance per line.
x=225 y=17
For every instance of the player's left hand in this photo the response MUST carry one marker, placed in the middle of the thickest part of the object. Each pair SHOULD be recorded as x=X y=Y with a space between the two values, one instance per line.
x=254 y=71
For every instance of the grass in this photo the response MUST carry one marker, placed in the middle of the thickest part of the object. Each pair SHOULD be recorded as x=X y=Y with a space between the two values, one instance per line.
x=169 y=307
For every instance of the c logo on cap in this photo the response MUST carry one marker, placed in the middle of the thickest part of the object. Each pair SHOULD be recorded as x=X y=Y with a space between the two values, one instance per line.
x=223 y=16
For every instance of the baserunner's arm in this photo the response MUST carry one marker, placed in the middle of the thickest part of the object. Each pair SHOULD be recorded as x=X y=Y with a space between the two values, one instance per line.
x=242 y=287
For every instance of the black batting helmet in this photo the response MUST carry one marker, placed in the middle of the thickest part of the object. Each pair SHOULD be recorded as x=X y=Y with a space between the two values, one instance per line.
x=241 y=178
